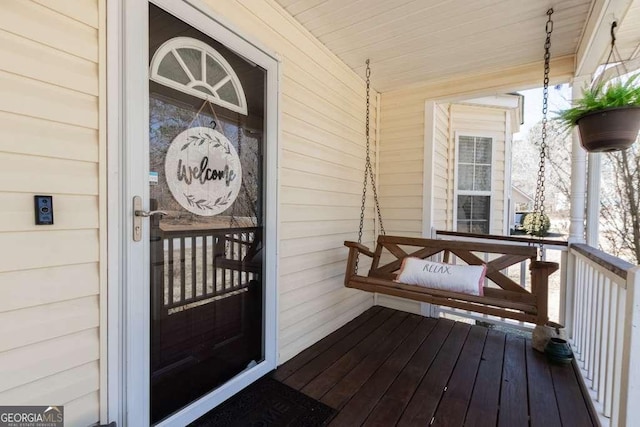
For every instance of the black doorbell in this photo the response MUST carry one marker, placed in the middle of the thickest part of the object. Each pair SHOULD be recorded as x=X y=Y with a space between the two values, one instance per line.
x=44 y=209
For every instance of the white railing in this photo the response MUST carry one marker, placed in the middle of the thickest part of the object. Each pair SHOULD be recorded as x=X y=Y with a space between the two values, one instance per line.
x=603 y=324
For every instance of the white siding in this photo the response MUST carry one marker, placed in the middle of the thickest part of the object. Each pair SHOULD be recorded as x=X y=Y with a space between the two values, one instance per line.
x=442 y=187
x=49 y=144
x=321 y=171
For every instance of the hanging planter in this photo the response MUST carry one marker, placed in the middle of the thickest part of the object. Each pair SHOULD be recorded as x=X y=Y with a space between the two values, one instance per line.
x=612 y=129
x=608 y=116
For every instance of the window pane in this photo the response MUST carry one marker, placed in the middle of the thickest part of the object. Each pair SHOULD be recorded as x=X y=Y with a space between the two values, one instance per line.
x=480 y=207
x=171 y=69
x=228 y=93
x=193 y=60
x=465 y=149
x=465 y=177
x=482 y=180
x=480 y=227
x=464 y=226
x=215 y=72
x=483 y=150
x=203 y=89
x=464 y=207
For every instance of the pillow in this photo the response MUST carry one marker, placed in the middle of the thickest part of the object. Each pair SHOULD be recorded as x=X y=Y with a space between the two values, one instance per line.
x=467 y=279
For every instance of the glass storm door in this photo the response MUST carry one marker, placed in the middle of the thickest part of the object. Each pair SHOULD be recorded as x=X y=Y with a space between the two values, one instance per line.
x=206 y=133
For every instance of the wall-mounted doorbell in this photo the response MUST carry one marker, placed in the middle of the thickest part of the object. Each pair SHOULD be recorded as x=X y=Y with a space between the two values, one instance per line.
x=44 y=209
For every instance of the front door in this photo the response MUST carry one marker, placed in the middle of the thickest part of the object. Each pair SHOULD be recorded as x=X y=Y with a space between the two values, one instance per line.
x=204 y=218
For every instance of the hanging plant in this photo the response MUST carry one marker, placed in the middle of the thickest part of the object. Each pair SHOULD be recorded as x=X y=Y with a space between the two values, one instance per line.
x=608 y=115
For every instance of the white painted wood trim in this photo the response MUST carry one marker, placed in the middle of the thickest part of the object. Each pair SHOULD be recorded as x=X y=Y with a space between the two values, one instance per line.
x=630 y=376
x=592 y=215
x=596 y=37
x=114 y=362
x=102 y=208
x=578 y=174
x=457 y=192
x=428 y=175
x=377 y=153
x=508 y=141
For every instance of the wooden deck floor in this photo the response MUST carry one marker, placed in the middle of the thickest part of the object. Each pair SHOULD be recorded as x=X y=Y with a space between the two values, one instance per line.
x=388 y=368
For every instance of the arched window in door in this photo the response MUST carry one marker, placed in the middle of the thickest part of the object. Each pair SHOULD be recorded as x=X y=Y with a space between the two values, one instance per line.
x=191 y=66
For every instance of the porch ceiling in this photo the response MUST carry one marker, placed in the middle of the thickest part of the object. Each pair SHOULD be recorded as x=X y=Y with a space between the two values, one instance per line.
x=416 y=41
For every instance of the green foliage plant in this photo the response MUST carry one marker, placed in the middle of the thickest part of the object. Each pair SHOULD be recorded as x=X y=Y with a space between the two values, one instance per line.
x=534 y=227
x=602 y=96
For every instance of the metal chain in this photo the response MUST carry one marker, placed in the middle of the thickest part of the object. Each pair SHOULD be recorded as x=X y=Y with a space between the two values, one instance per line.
x=368 y=169
x=538 y=207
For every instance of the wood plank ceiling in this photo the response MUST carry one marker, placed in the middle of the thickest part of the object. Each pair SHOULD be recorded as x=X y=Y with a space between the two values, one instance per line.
x=414 y=41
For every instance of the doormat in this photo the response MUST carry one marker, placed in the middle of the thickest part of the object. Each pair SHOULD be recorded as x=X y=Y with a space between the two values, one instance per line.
x=268 y=402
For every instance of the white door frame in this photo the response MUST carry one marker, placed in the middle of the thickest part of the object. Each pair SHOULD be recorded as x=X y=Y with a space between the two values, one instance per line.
x=127 y=169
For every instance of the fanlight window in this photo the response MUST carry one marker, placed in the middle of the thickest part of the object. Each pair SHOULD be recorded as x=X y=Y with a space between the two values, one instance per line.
x=194 y=67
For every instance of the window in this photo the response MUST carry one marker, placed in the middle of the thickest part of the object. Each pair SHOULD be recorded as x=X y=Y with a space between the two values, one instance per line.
x=474 y=184
x=194 y=67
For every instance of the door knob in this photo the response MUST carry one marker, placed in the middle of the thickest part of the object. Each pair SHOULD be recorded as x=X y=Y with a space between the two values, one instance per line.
x=146 y=214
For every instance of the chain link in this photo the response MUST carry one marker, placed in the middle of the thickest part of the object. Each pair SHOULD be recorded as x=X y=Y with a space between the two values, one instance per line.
x=538 y=207
x=368 y=169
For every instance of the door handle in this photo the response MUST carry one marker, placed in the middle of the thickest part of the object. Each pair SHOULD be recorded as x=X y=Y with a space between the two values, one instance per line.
x=146 y=214
x=138 y=214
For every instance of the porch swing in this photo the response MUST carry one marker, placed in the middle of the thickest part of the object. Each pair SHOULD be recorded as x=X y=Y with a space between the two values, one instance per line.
x=407 y=273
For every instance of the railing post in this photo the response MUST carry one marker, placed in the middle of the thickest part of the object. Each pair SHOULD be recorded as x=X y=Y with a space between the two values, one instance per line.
x=629 y=409
x=565 y=317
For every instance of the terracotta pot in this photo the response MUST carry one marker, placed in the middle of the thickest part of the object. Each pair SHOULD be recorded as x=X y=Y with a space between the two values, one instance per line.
x=612 y=129
x=558 y=351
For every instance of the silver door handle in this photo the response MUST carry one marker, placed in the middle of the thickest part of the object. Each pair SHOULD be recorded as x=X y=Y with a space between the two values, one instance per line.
x=146 y=214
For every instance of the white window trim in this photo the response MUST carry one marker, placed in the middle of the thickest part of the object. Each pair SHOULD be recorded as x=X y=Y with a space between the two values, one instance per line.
x=171 y=46
x=457 y=192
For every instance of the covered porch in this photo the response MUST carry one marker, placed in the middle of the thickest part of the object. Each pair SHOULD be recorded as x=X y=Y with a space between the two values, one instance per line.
x=439 y=59
x=388 y=367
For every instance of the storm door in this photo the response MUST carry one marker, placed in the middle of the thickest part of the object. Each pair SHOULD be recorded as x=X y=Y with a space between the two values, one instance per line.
x=206 y=214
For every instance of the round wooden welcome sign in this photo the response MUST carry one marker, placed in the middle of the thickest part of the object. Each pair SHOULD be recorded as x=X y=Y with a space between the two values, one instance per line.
x=203 y=171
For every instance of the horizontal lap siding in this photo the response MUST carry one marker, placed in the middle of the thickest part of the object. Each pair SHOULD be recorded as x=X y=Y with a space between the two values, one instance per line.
x=401 y=166
x=320 y=171
x=49 y=144
x=443 y=171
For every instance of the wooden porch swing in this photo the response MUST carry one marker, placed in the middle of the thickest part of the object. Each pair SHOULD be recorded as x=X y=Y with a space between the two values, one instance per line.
x=503 y=297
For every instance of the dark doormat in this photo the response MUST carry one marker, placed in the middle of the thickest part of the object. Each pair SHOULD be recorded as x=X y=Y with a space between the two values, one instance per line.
x=268 y=402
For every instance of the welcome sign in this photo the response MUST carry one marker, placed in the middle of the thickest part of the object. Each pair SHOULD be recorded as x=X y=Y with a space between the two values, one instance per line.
x=203 y=171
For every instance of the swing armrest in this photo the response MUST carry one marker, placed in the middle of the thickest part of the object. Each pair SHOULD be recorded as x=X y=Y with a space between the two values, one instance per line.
x=355 y=249
x=359 y=247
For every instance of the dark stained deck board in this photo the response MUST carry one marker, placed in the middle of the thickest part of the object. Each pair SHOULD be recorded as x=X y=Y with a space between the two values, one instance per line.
x=355 y=412
x=543 y=407
x=571 y=402
x=322 y=383
x=453 y=406
x=514 y=409
x=419 y=371
x=424 y=403
x=306 y=373
x=390 y=408
x=350 y=383
x=324 y=344
x=485 y=399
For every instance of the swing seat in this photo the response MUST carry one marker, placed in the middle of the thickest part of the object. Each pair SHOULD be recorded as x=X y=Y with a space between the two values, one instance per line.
x=503 y=297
